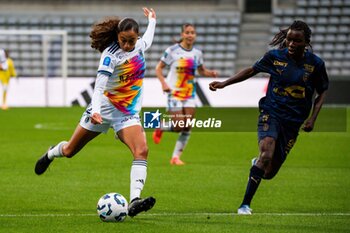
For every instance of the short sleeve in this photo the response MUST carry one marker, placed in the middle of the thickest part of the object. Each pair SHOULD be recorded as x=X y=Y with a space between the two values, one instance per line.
x=107 y=64
x=167 y=57
x=264 y=64
x=321 y=79
x=200 y=58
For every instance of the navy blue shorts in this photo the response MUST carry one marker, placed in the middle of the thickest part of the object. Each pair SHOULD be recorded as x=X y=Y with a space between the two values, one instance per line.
x=285 y=134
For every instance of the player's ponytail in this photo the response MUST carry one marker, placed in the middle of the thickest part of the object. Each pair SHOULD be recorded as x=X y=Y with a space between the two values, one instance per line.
x=104 y=33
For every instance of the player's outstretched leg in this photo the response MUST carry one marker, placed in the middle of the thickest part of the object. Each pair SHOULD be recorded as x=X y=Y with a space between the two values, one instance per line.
x=139 y=205
x=43 y=163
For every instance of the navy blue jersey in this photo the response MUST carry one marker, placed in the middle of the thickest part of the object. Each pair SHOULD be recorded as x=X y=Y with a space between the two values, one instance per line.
x=292 y=84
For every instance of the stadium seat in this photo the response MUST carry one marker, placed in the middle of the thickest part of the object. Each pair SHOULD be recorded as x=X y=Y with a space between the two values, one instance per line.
x=329 y=20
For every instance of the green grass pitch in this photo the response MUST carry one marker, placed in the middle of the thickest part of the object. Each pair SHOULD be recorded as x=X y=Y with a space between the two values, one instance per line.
x=310 y=193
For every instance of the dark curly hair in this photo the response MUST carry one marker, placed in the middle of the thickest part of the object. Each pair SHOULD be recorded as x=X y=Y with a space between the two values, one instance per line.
x=298 y=25
x=106 y=32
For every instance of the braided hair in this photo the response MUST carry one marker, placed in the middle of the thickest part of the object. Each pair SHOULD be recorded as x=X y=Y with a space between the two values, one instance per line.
x=298 y=25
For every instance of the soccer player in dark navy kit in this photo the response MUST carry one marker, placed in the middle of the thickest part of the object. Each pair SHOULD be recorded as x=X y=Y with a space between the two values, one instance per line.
x=295 y=75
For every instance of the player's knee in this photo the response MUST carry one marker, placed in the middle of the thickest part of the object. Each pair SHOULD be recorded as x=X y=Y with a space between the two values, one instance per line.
x=267 y=145
x=177 y=129
x=178 y=124
x=141 y=152
x=265 y=158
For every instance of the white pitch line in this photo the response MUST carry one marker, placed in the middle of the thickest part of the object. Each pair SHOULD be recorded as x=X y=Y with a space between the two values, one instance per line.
x=50 y=126
x=176 y=214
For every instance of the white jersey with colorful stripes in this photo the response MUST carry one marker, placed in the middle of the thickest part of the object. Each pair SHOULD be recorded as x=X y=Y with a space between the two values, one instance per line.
x=183 y=65
x=125 y=71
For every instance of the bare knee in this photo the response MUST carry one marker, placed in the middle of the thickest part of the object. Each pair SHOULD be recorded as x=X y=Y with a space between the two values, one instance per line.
x=141 y=152
x=177 y=129
x=265 y=159
x=267 y=148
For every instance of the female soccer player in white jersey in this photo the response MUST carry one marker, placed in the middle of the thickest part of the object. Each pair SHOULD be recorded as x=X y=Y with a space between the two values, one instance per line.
x=116 y=100
x=184 y=59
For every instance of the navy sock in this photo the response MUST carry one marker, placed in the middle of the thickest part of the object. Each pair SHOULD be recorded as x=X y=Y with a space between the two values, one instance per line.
x=253 y=183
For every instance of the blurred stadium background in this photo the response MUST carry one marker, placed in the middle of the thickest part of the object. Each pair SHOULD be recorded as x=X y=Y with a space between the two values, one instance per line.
x=232 y=33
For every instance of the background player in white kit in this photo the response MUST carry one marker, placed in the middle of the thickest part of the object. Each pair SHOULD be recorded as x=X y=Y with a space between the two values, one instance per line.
x=116 y=101
x=184 y=59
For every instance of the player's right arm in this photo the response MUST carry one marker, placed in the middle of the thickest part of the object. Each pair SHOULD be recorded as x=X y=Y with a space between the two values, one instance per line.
x=239 y=77
x=159 y=73
x=105 y=70
x=96 y=101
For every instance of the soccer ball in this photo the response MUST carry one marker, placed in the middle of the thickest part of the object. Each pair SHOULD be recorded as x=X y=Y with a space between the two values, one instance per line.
x=112 y=207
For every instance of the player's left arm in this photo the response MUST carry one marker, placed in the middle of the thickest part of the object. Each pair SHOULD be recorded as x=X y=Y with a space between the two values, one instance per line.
x=318 y=102
x=149 y=33
x=321 y=86
x=203 y=71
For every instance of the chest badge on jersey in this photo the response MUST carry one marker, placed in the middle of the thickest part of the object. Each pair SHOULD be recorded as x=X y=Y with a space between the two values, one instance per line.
x=279 y=71
x=306 y=77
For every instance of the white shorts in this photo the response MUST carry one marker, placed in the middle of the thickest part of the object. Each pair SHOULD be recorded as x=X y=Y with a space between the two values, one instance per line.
x=177 y=105
x=112 y=118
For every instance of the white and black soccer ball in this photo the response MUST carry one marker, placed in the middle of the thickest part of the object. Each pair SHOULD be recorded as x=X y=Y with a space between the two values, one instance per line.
x=112 y=207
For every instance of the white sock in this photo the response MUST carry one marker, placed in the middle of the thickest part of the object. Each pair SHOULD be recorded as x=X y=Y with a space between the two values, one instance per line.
x=56 y=151
x=138 y=176
x=181 y=143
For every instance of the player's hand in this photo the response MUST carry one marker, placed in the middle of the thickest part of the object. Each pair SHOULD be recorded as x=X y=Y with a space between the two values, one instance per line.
x=96 y=118
x=150 y=13
x=308 y=125
x=216 y=85
x=165 y=87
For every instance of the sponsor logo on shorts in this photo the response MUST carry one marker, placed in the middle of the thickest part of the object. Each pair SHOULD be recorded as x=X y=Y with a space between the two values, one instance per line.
x=128 y=118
